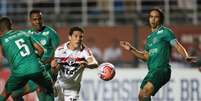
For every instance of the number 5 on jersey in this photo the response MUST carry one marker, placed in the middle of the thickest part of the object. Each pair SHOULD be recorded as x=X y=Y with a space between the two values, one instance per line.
x=22 y=45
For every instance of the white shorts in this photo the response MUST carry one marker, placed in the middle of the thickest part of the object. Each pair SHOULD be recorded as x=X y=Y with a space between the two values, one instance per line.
x=63 y=94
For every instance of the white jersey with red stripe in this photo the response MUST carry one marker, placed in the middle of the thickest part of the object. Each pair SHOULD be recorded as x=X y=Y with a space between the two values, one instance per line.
x=70 y=73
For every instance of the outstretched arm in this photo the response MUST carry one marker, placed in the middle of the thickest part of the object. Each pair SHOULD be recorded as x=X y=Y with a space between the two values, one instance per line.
x=143 y=55
x=181 y=50
x=92 y=63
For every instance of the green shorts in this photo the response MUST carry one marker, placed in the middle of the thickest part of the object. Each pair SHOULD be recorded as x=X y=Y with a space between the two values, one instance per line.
x=40 y=78
x=158 y=78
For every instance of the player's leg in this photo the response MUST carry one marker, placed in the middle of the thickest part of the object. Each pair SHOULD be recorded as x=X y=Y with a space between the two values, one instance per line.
x=153 y=82
x=42 y=95
x=58 y=92
x=70 y=95
x=12 y=84
x=44 y=81
x=28 y=88
x=146 y=92
x=4 y=95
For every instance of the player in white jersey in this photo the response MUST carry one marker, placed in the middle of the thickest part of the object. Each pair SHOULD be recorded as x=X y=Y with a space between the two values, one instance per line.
x=69 y=62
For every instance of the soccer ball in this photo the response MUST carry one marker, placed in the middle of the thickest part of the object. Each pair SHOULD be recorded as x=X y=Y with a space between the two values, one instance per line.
x=107 y=71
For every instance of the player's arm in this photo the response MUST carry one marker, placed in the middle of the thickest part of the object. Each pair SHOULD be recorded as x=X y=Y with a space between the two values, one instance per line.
x=38 y=48
x=91 y=62
x=1 y=55
x=181 y=50
x=143 y=55
x=55 y=62
x=54 y=66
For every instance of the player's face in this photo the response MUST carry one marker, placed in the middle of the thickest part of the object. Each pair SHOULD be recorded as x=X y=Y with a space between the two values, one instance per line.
x=154 y=19
x=36 y=21
x=76 y=38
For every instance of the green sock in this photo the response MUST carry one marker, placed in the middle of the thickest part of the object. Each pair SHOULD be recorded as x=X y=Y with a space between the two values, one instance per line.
x=17 y=93
x=49 y=97
x=42 y=96
x=20 y=98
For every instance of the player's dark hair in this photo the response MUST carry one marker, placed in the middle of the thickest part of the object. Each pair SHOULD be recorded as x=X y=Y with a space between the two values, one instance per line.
x=5 y=23
x=76 y=28
x=160 y=13
x=34 y=11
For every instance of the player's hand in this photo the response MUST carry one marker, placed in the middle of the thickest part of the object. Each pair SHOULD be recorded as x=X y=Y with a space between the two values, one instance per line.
x=83 y=64
x=126 y=45
x=54 y=66
x=191 y=59
x=53 y=63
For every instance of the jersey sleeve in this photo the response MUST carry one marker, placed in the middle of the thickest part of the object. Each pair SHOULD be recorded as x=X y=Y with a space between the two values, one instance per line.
x=57 y=53
x=33 y=40
x=88 y=54
x=169 y=36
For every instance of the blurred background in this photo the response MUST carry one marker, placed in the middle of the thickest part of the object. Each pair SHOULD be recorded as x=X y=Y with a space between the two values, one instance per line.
x=106 y=22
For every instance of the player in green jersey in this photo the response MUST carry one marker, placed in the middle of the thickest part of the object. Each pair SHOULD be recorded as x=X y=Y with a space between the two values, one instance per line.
x=48 y=38
x=19 y=48
x=45 y=35
x=156 y=54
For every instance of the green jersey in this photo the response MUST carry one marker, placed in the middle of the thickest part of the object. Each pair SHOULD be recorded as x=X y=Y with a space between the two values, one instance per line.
x=18 y=49
x=48 y=38
x=159 y=48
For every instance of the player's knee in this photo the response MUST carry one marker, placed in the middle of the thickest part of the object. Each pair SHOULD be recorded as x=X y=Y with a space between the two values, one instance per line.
x=4 y=95
x=140 y=95
x=147 y=90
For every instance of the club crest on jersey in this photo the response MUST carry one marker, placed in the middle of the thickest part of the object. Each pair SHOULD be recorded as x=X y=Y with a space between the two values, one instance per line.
x=45 y=33
x=43 y=42
x=155 y=40
x=71 y=61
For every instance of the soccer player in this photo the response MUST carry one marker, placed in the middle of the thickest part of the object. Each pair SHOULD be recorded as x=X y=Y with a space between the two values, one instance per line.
x=45 y=35
x=19 y=48
x=70 y=60
x=156 y=54
x=49 y=40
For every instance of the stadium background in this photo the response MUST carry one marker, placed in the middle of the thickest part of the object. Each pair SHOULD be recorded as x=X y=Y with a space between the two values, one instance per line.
x=108 y=21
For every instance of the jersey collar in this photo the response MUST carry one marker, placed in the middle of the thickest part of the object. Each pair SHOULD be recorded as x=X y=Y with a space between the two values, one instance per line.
x=37 y=32
x=159 y=27
x=66 y=46
x=8 y=32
